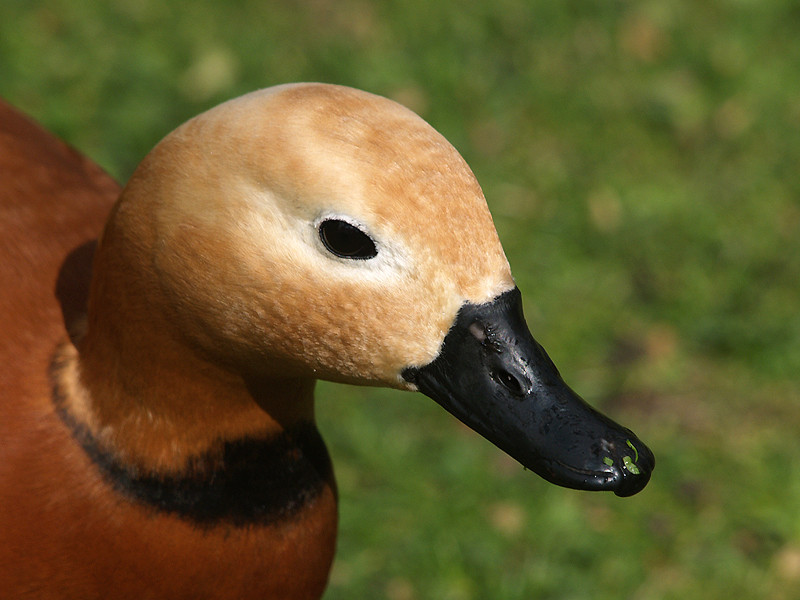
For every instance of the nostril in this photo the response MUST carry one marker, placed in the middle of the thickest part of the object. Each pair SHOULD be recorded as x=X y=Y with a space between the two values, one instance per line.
x=508 y=381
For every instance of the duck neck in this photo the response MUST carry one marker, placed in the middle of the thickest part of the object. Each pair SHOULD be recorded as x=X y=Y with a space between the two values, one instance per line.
x=168 y=422
x=191 y=439
x=139 y=386
x=157 y=409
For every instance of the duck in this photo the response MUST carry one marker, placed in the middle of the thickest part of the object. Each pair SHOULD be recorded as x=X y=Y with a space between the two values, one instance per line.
x=161 y=343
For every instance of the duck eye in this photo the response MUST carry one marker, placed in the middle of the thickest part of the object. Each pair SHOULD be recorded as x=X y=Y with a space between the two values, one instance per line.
x=346 y=240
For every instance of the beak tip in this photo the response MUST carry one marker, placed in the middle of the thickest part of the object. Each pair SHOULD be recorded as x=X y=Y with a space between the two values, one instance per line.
x=633 y=477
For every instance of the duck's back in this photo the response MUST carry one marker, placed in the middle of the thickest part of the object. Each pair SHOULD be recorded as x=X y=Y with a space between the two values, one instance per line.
x=53 y=203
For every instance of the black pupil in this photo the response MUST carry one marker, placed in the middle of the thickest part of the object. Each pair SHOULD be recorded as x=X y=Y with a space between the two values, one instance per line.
x=345 y=240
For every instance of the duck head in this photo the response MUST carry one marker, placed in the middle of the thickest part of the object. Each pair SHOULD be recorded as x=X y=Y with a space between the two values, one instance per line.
x=313 y=231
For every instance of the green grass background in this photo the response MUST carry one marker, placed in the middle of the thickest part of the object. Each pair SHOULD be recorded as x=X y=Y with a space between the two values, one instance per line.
x=641 y=160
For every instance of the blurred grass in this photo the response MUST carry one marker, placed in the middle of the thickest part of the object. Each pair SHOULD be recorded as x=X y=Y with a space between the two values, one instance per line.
x=641 y=162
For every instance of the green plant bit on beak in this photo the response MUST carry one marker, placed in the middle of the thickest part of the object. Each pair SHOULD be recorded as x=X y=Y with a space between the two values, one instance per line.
x=635 y=451
x=608 y=461
x=629 y=464
x=626 y=460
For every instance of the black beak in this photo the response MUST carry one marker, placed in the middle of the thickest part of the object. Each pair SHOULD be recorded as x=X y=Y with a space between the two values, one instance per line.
x=492 y=375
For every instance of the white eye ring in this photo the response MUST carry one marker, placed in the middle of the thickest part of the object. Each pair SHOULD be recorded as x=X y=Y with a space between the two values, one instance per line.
x=375 y=257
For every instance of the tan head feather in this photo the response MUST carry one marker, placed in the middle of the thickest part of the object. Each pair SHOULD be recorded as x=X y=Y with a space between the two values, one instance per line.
x=222 y=220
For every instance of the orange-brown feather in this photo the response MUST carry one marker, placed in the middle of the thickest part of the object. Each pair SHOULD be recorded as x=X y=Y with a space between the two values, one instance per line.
x=65 y=532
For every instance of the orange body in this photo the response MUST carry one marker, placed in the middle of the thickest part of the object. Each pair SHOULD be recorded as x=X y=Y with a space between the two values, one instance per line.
x=65 y=531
